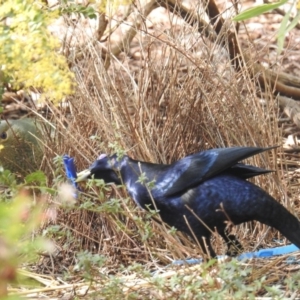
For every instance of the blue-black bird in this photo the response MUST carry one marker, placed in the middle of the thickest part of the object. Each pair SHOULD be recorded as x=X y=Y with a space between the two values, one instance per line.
x=200 y=193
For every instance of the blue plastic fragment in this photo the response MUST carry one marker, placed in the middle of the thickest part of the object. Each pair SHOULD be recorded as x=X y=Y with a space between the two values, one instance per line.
x=190 y=261
x=71 y=171
x=269 y=252
x=248 y=255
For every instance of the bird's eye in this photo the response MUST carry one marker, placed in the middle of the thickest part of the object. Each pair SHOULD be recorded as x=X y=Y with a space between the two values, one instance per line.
x=3 y=135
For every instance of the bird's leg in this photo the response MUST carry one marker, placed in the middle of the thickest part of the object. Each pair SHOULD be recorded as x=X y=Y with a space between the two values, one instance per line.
x=234 y=247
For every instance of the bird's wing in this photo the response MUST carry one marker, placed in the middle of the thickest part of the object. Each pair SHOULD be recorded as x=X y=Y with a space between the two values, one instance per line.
x=247 y=171
x=196 y=168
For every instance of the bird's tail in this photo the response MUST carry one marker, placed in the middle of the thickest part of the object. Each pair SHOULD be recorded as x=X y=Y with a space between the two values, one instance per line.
x=277 y=216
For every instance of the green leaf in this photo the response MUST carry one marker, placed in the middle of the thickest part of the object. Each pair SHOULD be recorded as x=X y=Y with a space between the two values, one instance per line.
x=283 y=30
x=36 y=177
x=258 y=10
x=294 y=22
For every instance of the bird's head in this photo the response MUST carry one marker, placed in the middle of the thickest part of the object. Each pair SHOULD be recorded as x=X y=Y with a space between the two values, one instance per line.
x=105 y=168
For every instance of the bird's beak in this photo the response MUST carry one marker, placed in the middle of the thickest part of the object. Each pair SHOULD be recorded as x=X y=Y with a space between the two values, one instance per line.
x=83 y=175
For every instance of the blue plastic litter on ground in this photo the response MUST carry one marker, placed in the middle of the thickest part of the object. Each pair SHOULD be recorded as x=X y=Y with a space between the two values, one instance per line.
x=269 y=252
x=263 y=253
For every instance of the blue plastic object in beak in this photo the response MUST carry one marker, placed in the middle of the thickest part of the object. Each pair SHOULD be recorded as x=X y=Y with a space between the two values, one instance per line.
x=71 y=171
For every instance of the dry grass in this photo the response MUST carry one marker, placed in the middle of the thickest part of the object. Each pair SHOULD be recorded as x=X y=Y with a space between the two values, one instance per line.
x=173 y=94
x=182 y=96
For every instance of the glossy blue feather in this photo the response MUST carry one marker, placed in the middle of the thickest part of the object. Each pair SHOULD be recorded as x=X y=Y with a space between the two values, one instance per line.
x=207 y=189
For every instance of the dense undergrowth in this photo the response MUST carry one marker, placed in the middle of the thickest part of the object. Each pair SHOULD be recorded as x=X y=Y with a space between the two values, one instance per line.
x=170 y=94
